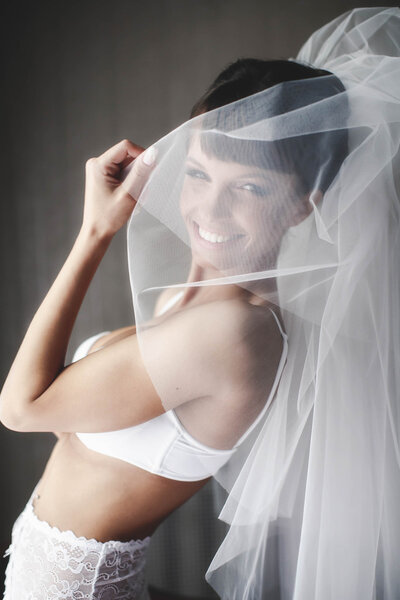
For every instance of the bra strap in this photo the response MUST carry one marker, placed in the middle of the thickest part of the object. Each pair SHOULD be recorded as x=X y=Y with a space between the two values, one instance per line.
x=278 y=323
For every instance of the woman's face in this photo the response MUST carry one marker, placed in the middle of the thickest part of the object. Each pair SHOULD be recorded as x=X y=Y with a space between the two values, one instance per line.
x=236 y=214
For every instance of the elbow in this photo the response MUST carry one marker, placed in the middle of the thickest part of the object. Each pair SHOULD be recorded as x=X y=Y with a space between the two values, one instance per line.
x=11 y=419
x=12 y=423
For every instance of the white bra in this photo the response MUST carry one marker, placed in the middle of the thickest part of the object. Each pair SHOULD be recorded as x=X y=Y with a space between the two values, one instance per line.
x=162 y=445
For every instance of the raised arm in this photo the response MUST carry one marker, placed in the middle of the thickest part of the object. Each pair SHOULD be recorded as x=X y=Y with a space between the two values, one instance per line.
x=111 y=388
x=41 y=357
x=105 y=340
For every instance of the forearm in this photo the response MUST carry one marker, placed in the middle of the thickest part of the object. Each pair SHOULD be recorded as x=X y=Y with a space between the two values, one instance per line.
x=41 y=356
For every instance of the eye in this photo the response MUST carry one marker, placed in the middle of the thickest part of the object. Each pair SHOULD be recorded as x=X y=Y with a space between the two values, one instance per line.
x=255 y=189
x=197 y=174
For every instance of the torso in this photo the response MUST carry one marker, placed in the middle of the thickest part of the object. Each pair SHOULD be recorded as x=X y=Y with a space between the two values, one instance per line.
x=101 y=497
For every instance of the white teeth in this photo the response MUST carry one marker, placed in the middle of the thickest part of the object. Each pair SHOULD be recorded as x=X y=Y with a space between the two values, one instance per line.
x=214 y=237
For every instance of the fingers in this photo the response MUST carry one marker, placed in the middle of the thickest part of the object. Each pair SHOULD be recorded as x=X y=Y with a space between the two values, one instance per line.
x=139 y=172
x=121 y=154
x=128 y=169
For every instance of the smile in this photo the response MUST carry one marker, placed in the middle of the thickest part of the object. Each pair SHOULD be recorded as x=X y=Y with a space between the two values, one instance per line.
x=212 y=239
x=215 y=238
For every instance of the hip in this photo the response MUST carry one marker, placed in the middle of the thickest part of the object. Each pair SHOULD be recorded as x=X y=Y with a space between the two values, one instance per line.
x=46 y=562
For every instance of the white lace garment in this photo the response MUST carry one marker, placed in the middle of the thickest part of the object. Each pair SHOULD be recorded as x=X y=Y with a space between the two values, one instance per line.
x=48 y=564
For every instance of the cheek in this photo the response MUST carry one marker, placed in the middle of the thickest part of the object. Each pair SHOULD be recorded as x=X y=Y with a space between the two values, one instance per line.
x=264 y=226
x=189 y=198
x=254 y=218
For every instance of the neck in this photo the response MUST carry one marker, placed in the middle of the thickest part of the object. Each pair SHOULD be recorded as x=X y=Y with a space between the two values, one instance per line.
x=256 y=292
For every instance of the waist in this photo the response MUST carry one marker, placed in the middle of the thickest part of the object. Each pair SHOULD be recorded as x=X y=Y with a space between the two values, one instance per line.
x=102 y=497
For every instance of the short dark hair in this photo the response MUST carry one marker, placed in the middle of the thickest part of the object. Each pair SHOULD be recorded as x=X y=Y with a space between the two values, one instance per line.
x=304 y=155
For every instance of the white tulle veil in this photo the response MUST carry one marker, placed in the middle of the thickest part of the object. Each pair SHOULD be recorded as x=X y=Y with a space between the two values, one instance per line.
x=313 y=493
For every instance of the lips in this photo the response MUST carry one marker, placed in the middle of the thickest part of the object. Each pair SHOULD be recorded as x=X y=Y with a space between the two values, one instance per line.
x=214 y=239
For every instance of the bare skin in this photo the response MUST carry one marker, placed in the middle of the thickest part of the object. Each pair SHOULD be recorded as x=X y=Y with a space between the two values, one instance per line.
x=94 y=495
x=101 y=497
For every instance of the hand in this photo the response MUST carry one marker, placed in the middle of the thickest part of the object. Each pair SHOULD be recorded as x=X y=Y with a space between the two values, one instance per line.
x=108 y=205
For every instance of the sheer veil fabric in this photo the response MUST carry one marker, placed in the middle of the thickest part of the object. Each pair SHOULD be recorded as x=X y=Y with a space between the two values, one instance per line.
x=288 y=199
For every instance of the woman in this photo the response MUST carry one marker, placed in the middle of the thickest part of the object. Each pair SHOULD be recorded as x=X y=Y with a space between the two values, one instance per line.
x=109 y=499
x=249 y=207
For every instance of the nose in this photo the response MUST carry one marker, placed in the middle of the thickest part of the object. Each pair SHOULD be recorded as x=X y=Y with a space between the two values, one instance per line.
x=216 y=203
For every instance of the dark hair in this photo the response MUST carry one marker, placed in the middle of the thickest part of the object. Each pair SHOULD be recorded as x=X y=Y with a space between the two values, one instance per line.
x=303 y=154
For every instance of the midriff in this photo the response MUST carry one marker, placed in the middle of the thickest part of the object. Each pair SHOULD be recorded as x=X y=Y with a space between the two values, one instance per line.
x=101 y=497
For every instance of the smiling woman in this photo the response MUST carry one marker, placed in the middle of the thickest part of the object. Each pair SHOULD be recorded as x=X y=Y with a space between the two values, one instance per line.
x=259 y=262
x=244 y=203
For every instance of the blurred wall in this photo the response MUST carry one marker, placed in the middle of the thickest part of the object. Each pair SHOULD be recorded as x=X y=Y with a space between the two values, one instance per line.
x=77 y=78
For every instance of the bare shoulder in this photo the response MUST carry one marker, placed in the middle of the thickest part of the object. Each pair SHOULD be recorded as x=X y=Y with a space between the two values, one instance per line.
x=237 y=321
x=231 y=341
x=239 y=348
x=256 y=343
x=255 y=350
x=229 y=321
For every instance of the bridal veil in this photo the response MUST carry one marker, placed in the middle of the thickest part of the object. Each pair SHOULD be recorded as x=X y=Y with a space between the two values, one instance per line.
x=305 y=217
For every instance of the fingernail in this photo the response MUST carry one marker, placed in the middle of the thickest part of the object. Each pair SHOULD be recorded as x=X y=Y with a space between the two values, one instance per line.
x=149 y=155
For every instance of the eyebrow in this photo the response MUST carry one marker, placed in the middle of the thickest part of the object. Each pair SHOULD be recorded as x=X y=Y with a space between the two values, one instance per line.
x=196 y=162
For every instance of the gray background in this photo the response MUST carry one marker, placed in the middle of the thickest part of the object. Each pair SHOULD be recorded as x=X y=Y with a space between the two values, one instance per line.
x=77 y=78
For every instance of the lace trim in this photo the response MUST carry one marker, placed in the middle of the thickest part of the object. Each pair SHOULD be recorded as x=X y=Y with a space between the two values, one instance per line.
x=70 y=536
x=46 y=562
